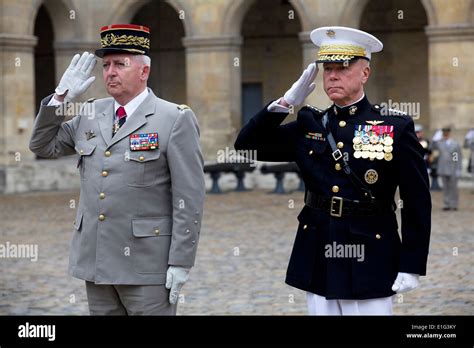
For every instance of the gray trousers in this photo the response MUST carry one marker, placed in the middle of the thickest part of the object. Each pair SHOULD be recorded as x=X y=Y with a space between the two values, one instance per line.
x=450 y=191
x=129 y=300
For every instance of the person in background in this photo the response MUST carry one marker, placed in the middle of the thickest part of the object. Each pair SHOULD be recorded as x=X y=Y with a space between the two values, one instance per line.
x=433 y=161
x=449 y=168
x=425 y=144
x=469 y=144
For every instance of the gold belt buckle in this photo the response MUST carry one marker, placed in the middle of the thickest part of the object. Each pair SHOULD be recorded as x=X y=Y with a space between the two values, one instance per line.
x=334 y=201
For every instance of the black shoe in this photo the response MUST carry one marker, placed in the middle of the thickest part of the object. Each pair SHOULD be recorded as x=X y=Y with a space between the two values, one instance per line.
x=446 y=209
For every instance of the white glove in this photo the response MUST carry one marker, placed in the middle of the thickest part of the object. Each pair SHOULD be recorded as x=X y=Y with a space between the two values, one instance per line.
x=76 y=80
x=175 y=279
x=303 y=87
x=405 y=282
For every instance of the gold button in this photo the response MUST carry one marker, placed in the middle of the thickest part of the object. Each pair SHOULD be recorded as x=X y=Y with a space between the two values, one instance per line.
x=108 y=153
x=82 y=152
x=340 y=145
x=335 y=189
x=378 y=236
x=102 y=195
x=311 y=152
x=157 y=231
x=105 y=173
x=141 y=158
x=342 y=124
x=101 y=217
x=305 y=227
x=338 y=166
x=196 y=222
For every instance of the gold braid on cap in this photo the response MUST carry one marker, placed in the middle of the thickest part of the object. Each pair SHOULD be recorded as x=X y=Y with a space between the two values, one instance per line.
x=111 y=39
x=343 y=51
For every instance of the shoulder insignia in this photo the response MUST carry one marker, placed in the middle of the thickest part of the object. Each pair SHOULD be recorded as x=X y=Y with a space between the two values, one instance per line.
x=183 y=107
x=314 y=109
x=395 y=112
x=384 y=111
x=90 y=100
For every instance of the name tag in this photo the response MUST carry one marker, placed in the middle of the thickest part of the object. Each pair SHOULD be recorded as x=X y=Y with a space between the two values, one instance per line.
x=144 y=142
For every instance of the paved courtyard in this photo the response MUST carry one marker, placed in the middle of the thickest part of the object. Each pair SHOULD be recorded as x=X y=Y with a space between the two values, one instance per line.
x=244 y=248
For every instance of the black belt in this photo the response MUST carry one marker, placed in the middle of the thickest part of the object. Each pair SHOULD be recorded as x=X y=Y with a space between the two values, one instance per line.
x=338 y=206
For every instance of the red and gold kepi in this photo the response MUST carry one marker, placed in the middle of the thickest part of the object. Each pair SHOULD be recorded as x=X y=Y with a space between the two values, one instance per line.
x=124 y=38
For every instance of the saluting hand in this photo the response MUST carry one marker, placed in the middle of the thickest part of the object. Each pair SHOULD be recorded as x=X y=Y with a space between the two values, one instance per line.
x=76 y=79
x=303 y=87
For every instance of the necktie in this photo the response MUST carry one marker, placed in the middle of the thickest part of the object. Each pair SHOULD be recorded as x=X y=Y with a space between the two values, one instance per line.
x=121 y=117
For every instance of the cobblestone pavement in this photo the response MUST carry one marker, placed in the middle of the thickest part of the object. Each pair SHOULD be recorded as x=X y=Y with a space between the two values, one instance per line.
x=244 y=249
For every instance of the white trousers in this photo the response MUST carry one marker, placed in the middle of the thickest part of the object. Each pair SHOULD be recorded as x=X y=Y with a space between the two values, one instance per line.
x=318 y=305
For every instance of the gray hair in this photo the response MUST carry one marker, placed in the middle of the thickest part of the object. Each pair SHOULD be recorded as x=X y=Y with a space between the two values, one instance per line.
x=145 y=60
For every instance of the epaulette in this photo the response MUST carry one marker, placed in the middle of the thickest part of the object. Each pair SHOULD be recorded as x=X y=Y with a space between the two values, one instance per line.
x=183 y=107
x=395 y=112
x=314 y=108
x=388 y=112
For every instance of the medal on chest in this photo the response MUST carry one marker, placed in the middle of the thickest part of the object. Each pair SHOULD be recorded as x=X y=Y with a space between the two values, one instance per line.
x=374 y=142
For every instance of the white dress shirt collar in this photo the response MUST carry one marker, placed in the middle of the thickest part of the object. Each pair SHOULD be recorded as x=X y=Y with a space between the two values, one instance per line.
x=342 y=107
x=133 y=104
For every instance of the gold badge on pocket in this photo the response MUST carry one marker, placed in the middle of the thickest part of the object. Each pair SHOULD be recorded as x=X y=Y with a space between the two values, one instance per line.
x=371 y=176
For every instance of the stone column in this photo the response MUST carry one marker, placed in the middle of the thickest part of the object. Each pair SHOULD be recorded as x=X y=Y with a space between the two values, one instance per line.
x=451 y=74
x=17 y=97
x=310 y=53
x=213 y=69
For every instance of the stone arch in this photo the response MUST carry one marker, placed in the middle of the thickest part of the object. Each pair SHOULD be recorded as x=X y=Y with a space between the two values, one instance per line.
x=352 y=13
x=271 y=53
x=126 y=9
x=471 y=12
x=234 y=15
x=44 y=57
x=400 y=71
x=59 y=12
x=167 y=52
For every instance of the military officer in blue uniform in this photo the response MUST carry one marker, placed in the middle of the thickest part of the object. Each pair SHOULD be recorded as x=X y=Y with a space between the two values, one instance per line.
x=348 y=255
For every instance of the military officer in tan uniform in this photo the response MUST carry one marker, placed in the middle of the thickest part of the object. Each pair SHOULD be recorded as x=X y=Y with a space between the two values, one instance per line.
x=142 y=184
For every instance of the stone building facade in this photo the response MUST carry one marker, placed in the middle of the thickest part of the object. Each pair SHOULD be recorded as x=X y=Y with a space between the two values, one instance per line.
x=227 y=58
